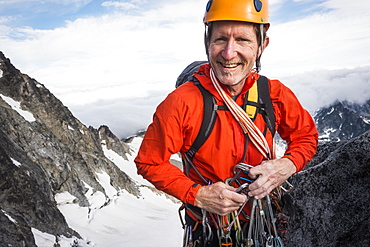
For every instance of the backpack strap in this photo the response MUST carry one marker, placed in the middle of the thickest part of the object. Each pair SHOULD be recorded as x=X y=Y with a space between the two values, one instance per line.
x=252 y=105
x=266 y=108
x=209 y=118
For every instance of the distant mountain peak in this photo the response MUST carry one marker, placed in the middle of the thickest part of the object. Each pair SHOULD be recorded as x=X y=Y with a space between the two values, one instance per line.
x=342 y=120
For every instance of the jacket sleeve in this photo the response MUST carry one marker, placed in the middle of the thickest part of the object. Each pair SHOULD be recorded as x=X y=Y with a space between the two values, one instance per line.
x=164 y=137
x=294 y=124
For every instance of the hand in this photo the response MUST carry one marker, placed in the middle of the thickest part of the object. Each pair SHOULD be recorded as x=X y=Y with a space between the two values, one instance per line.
x=219 y=198
x=271 y=174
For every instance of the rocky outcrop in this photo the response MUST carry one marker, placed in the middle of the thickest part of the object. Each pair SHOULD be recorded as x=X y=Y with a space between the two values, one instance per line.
x=46 y=150
x=112 y=142
x=26 y=201
x=331 y=197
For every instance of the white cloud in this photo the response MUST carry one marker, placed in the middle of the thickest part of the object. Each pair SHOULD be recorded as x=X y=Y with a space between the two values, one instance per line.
x=119 y=5
x=4 y=19
x=330 y=40
x=320 y=88
x=116 y=51
x=123 y=116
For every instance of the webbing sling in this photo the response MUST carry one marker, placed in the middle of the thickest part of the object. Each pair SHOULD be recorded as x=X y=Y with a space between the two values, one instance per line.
x=262 y=106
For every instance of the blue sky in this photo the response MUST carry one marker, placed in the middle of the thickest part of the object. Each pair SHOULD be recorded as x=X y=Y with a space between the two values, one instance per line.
x=287 y=11
x=50 y=14
x=112 y=62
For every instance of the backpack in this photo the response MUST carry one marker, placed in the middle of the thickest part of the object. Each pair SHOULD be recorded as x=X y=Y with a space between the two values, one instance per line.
x=257 y=101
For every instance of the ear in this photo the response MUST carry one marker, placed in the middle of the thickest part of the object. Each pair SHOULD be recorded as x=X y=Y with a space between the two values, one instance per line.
x=265 y=44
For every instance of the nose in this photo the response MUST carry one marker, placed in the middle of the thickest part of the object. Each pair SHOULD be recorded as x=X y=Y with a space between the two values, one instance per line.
x=229 y=51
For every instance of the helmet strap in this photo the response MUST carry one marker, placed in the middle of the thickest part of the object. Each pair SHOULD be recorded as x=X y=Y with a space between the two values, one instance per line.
x=260 y=49
x=205 y=39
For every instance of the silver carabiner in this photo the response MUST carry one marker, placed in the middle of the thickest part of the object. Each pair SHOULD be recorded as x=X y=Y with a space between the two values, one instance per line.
x=289 y=189
x=270 y=242
x=242 y=166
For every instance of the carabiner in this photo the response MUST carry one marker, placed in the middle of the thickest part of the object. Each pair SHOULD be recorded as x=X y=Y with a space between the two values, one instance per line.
x=241 y=188
x=240 y=239
x=289 y=189
x=206 y=227
x=226 y=241
x=242 y=166
x=270 y=242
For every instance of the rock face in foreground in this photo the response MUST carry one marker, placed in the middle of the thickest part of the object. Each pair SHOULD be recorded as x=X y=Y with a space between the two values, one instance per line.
x=331 y=197
x=45 y=150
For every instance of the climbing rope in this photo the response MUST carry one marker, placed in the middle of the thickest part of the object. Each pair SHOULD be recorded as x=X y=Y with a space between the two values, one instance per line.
x=243 y=119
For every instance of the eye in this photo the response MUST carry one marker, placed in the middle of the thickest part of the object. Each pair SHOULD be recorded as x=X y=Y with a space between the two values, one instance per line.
x=243 y=40
x=220 y=40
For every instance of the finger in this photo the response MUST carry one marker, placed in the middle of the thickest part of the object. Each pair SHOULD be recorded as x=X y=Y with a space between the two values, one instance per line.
x=261 y=185
x=236 y=198
x=228 y=201
x=262 y=190
x=259 y=182
x=218 y=198
x=224 y=210
x=265 y=192
x=230 y=188
x=227 y=192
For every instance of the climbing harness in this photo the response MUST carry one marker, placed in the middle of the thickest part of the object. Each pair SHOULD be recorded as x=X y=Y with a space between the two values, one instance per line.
x=259 y=229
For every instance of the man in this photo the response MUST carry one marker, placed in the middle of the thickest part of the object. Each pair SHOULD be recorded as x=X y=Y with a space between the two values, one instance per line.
x=235 y=39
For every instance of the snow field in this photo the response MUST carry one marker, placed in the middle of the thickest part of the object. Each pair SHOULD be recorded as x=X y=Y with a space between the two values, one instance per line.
x=150 y=220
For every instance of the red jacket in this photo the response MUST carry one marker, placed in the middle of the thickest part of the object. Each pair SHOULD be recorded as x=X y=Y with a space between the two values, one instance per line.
x=176 y=124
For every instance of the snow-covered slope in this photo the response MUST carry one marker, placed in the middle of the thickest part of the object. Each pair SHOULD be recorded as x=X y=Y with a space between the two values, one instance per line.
x=125 y=220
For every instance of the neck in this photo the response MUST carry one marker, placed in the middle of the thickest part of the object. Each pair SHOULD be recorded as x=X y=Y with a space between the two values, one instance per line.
x=237 y=88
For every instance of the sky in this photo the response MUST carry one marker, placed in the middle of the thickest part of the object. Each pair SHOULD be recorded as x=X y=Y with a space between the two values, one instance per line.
x=112 y=62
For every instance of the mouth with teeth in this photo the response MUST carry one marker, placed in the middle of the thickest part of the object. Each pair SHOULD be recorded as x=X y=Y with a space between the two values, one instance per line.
x=229 y=65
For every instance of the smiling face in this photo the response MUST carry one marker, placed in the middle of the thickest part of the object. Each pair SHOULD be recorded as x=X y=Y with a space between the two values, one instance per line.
x=232 y=52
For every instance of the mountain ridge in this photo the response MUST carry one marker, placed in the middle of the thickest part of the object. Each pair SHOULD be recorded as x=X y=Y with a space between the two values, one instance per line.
x=55 y=148
x=342 y=120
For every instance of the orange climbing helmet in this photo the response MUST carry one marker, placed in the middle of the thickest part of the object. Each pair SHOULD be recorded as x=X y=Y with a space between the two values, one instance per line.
x=255 y=11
